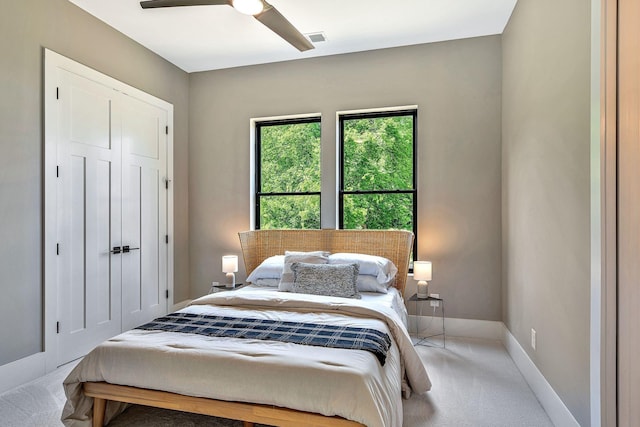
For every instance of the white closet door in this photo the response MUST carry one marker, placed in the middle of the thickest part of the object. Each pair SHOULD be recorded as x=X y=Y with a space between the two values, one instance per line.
x=89 y=159
x=112 y=214
x=144 y=211
x=107 y=208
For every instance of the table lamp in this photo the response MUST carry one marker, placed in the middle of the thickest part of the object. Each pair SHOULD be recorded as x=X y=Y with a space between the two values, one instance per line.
x=230 y=266
x=422 y=273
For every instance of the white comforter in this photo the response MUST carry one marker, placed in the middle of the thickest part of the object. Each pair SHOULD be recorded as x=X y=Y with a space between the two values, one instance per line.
x=348 y=383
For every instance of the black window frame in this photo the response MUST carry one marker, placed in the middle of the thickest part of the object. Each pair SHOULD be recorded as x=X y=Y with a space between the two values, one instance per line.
x=258 y=164
x=414 y=191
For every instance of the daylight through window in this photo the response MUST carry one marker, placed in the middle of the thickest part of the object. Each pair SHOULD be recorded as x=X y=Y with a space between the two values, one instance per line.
x=377 y=164
x=288 y=174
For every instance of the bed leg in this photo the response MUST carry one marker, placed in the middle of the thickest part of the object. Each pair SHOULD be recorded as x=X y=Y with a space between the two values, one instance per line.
x=248 y=424
x=99 y=406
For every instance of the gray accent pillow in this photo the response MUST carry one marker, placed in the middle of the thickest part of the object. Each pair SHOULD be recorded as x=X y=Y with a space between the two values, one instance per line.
x=337 y=280
x=315 y=257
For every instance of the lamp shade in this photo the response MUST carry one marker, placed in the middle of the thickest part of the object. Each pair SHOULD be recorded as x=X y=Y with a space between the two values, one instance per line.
x=422 y=270
x=230 y=263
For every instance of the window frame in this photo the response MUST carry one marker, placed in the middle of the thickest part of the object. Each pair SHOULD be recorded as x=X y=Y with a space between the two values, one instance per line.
x=258 y=164
x=413 y=112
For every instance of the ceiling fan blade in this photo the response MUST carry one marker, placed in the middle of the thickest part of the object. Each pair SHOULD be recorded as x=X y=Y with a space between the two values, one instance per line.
x=150 y=4
x=277 y=23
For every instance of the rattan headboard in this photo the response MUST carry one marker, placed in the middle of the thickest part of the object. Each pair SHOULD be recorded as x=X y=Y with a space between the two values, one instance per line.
x=395 y=245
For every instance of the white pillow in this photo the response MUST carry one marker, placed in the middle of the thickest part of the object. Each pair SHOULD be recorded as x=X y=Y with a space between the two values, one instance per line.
x=370 y=284
x=383 y=269
x=270 y=268
x=287 y=279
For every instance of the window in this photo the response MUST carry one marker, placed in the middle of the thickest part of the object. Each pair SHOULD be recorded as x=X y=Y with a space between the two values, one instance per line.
x=377 y=171
x=288 y=174
x=376 y=168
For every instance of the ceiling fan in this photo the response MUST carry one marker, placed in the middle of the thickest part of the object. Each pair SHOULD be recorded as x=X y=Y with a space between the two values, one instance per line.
x=259 y=9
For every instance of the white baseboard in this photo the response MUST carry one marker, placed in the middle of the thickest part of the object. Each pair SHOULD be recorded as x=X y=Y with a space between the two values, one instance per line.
x=548 y=398
x=21 y=371
x=485 y=329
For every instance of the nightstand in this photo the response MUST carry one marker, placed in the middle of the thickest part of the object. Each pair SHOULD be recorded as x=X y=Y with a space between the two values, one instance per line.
x=432 y=330
x=222 y=287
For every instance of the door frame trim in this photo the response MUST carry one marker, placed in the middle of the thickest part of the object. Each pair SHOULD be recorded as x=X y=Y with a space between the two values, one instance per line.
x=52 y=62
x=604 y=188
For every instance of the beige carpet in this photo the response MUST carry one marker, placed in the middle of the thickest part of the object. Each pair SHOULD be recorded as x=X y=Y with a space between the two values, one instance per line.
x=475 y=383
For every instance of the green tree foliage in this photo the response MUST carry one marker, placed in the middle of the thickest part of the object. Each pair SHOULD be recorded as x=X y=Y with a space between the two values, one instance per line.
x=299 y=212
x=378 y=211
x=290 y=163
x=378 y=156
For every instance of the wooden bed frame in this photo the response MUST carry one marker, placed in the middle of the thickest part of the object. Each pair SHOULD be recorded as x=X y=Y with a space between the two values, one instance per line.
x=256 y=246
x=248 y=413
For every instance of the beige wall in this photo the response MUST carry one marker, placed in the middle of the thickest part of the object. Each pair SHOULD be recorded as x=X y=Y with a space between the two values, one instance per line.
x=546 y=205
x=26 y=27
x=457 y=88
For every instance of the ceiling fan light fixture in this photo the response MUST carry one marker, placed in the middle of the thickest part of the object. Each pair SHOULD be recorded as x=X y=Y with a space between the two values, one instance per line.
x=248 y=7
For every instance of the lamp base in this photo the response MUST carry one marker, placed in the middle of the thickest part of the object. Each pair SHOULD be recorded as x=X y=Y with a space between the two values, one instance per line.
x=423 y=290
x=231 y=280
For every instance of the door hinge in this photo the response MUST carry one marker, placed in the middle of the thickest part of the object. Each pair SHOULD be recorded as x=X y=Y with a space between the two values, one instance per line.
x=57 y=327
x=166 y=184
x=57 y=171
x=166 y=130
x=57 y=248
x=166 y=238
x=167 y=293
x=57 y=93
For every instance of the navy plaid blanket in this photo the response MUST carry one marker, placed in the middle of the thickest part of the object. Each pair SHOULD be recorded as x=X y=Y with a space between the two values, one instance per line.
x=346 y=337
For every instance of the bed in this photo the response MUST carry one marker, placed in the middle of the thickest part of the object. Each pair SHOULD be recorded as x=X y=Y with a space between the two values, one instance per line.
x=262 y=381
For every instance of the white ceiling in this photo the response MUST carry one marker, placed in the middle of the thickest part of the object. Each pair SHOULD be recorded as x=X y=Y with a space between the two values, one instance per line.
x=199 y=38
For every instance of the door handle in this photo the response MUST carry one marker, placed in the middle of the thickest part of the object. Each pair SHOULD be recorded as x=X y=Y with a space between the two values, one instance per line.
x=124 y=250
